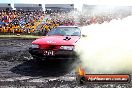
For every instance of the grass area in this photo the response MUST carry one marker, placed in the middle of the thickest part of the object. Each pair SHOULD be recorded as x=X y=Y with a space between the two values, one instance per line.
x=20 y=36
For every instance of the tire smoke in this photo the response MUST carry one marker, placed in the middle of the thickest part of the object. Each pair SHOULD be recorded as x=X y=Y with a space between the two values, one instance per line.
x=107 y=47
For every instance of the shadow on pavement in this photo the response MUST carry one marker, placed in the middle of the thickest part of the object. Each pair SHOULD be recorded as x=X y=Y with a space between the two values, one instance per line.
x=46 y=68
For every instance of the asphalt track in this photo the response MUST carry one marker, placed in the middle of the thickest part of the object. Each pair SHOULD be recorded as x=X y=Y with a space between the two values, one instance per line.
x=19 y=70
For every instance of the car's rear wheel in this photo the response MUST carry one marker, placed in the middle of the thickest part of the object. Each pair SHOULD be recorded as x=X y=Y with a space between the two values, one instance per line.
x=81 y=80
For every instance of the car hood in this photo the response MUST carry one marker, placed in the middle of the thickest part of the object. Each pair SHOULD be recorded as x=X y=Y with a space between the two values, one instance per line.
x=57 y=40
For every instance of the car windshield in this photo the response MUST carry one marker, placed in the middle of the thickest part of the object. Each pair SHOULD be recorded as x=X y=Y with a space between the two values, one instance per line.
x=65 y=31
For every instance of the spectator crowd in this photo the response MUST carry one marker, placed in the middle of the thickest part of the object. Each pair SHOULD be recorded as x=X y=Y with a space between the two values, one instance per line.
x=31 y=21
x=20 y=21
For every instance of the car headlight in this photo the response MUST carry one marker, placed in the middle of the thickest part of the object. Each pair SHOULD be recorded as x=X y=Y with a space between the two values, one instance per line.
x=35 y=46
x=67 y=47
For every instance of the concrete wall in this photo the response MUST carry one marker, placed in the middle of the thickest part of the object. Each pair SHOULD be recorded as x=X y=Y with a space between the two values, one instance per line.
x=60 y=5
x=28 y=6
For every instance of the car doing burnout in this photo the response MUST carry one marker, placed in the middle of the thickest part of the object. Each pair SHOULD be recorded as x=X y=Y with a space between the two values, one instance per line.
x=58 y=43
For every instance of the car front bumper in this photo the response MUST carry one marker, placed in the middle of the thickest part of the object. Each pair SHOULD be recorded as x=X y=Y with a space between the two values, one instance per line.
x=58 y=54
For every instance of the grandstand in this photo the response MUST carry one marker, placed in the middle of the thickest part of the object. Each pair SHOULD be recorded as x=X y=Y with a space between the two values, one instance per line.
x=27 y=18
x=59 y=7
x=5 y=6
x=28 y=7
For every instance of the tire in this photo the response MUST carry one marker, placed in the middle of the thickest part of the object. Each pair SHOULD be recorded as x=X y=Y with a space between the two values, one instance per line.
x=81 y=80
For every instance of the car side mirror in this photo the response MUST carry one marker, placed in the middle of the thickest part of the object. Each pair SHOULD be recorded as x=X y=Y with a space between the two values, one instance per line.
x=84 y=35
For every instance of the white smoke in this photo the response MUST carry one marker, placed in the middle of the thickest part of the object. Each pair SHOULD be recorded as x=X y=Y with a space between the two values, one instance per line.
x=107 y=47
x=107 y=9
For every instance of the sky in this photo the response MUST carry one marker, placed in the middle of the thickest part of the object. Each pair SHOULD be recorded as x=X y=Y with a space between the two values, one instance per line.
x=77 y=3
